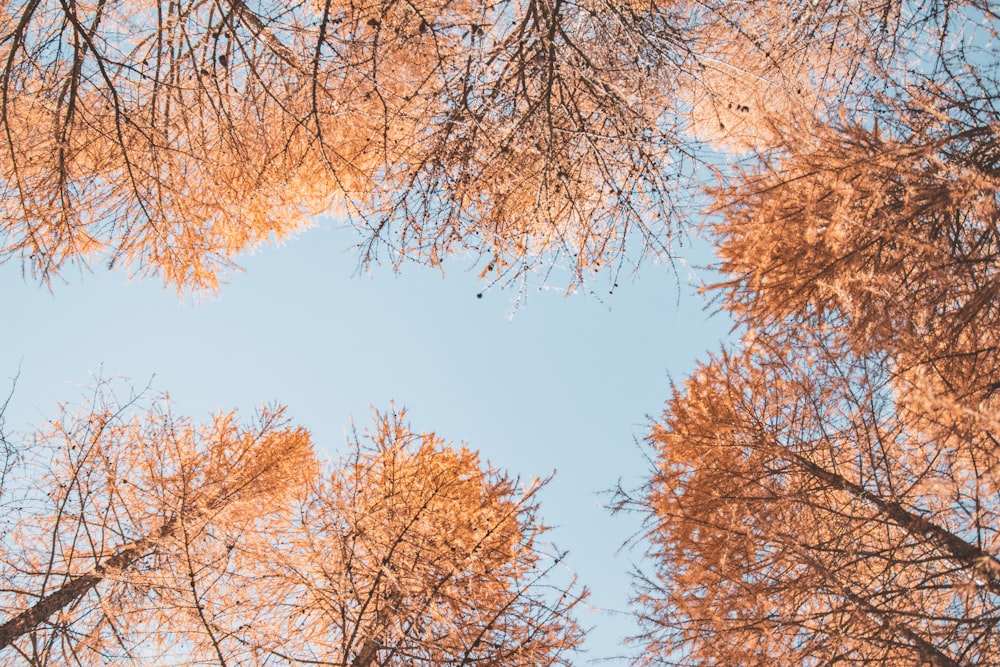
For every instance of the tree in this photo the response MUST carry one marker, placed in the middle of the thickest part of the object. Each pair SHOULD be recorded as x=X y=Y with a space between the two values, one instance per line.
x=889 y=233
x=148 y=538
x=170 y=138
x=827 y=492
x=410 y=552
x=132 y=504
x=798 y=515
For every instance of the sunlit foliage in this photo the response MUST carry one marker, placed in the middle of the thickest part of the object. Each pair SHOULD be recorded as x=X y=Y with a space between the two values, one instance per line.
x=826 y=490
x=410 y=552
x=799 y=515
x=132 y=536
x=169 y=138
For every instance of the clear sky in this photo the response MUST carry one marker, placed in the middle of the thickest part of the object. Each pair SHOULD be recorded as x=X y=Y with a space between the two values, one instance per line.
x=561 y=383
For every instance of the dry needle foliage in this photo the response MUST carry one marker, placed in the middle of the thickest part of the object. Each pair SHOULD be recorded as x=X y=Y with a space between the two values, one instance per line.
x=410 y=552
x=888 y=232
x=530 y=133
x=135 y=507
x=799 y=516
x=827 y=492
x=168 y=138
x=147 y=539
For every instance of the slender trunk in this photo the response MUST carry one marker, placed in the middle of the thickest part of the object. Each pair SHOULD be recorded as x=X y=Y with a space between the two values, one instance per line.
x=971 y=556
x=77 y=587
x=366 y=656
x=925 y=649
x=368 y=653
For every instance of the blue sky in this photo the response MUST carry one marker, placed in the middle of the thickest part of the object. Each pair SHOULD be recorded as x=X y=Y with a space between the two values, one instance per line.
x=559 y=383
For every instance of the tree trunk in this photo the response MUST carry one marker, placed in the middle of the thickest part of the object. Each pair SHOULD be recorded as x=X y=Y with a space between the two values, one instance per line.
x=77 y=587
x=971 y=556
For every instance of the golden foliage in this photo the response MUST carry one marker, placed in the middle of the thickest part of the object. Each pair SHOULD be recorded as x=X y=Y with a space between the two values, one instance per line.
x=170 y=138
x=891 y=233
x=131 y=501
x=151 y=539
x=827 y=493
x=800 y=517
x=412 y=552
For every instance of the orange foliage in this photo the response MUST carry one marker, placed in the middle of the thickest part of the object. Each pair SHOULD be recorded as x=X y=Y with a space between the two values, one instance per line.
x=410 y=552
x=151 y=539
x=890 y=234
x=800 y=517
x=170 y=139
x=828 y=492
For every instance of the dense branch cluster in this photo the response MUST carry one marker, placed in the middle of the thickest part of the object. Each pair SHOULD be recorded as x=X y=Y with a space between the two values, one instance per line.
x=827 y=490
x=147 y=538
x=803 y=516
x=169 y=138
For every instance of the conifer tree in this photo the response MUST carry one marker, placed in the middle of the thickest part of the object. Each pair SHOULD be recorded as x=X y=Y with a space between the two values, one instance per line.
x=168 y=139
x=133 y=536
x=800 y=514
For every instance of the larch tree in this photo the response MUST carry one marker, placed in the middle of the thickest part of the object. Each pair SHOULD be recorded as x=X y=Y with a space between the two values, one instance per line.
x=886 y=232
x=148 y=539
x=168 y=138
x=114 y=509
x=827 y=492
x=889 y=231
x=800 y=515
x=411 y=552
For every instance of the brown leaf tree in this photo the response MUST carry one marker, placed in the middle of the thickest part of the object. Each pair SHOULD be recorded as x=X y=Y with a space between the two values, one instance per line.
x=410 y=552
x=883 y=226
x=827 y=492
x=148 y=539
x=531 y=133
x=799 y=515
x=117 y=505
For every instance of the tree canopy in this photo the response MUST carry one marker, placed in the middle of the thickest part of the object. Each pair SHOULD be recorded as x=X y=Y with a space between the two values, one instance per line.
x=801 y=514
x=826 y=489
x=132 y=535
x=823 y=491
x=170 y=138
